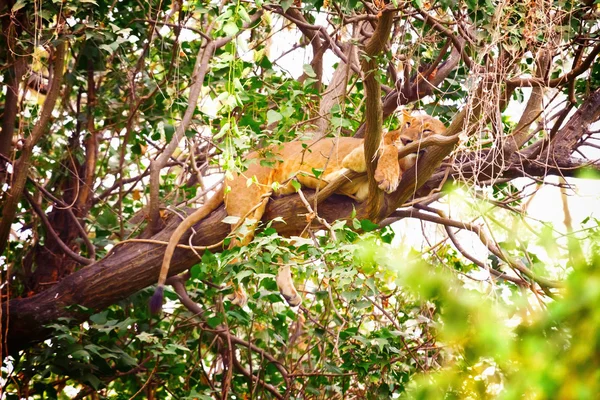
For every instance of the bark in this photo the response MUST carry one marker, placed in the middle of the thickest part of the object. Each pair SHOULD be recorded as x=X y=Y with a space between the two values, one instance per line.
x=373 y=109
x=17 y=66
x=336 y=92
x=568 y=138
x=84 y=201
x=11 y=106
x=134 y=266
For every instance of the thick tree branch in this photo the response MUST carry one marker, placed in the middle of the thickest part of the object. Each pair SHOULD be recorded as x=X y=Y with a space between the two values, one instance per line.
x=17 y=64
x=373 y=109
x=566 y=138
x=134 y=266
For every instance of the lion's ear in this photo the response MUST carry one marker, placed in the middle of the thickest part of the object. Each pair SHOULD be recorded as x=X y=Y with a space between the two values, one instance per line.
x=406 y=117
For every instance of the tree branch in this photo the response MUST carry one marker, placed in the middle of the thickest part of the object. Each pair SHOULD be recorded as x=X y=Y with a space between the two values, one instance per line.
x=200 y=69
x=21 y=168
x=568 y=77
x=134 y=266
x=54 y=234
x=373 y=109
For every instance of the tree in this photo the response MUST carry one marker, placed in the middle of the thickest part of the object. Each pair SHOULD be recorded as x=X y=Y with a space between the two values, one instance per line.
x=118 y=116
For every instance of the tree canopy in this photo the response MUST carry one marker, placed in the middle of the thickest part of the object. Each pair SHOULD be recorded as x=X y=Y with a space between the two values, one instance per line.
x=119 y=118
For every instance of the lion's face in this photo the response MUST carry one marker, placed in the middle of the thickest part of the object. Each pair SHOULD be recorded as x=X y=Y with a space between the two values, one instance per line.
x=414 y=129
x=418 y=127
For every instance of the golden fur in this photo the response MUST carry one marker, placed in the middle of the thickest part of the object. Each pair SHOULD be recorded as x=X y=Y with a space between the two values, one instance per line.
x=298 y=160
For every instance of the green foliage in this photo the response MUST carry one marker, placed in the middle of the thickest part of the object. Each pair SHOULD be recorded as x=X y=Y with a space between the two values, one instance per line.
x=379 y=319
x=547 y=355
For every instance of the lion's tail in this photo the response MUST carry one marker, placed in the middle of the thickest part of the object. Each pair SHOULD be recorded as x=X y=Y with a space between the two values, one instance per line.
x=211 y=204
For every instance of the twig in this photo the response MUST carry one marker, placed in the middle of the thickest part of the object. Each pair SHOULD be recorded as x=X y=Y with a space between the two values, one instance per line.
x=272 y=389
x=494 y=249
x=399 y=328
x=52 y=232
x=191 y=305
x=313 y=215
x=62 y=205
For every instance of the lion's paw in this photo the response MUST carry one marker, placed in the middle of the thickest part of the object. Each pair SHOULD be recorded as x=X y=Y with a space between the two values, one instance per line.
x=286 y=287
x=386 y=180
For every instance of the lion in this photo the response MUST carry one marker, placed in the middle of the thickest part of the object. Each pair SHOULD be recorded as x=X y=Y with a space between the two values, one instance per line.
x=297 y=161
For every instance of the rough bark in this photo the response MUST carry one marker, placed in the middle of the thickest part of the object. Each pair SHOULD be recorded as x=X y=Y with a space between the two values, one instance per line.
x=373 y=109
x=335 y=93
x=134 y=266
x=15 y=75
x=15 y=71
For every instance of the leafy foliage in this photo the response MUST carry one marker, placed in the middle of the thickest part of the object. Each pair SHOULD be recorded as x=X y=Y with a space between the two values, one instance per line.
x=383 y=316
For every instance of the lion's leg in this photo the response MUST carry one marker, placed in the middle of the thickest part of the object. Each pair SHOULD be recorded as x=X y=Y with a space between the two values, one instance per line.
x=286 y=286
x=249 y=204
x=239 y=296
x=388 y=172
x=355 y=160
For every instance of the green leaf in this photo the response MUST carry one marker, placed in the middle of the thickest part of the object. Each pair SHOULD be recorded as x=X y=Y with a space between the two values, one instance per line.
x=93 y=380
x=368 y=226
x=81 y=354
x=308 y=70
x=297 y=185
x=244 y=14
x=387 y=234
x=317 y=172
x=18 y=5
x=169 y=130
x=286 y=4
x=273 y=116
x=108 y=219
x=136 y=149
x=99 y=318
x=267 y=163
x=107 y=48
x=350 y=295
x=230 y=28
x=147 y=338
x=215 y=321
